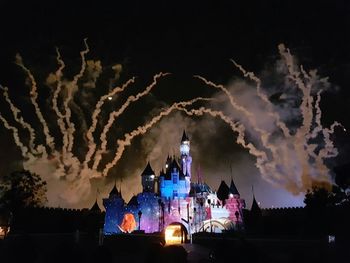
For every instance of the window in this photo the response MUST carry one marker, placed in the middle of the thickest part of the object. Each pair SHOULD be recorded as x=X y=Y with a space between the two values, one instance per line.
x=174 y=193
x=174 y=178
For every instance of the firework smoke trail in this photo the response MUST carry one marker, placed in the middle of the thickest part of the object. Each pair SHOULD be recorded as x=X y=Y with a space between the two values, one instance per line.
x=16 y=114
x=95 y=114
x=93 y=70
x=275 y=116
x=16 y=138
x=287 y=159
x=303 y=149
x=67 y=179
x=71 y=89
x=318 y=127
x=143 y=129
x=264 y=98
x=261 y=157
x=60 y=116
x=231 y=98
x=113 y=115
x=329 y=149
x=264 y=135
x=33 y=97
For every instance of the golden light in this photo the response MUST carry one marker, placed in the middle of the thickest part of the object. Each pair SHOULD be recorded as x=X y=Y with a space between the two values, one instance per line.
x=174 y=235
x=3 y=231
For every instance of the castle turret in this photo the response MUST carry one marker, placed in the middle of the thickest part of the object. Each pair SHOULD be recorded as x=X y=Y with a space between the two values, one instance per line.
x=114 y=204
x=233 y=189
x=148 y=179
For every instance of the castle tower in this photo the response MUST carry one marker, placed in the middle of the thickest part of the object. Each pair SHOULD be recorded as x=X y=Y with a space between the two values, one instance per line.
x=186 y=159
x=148 y=179
x=114 y=206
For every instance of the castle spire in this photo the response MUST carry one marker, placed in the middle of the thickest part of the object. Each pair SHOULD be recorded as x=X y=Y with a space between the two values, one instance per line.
x=148 y=179
x=233 y=188
x=114 y=190
x=255 y=209
x=96 y=207
x=184 y=137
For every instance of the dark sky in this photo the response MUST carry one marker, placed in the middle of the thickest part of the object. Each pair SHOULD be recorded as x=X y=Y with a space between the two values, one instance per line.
x=182 y=37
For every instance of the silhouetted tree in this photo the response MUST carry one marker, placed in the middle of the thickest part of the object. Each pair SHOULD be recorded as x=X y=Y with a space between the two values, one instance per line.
x=324 y=207
x=22 y=189
x=342 y=176
x=318 y=198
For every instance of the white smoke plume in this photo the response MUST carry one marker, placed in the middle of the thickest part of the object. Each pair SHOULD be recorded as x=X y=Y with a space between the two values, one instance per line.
x=57 y=79
x=71 y=88
x=288 y=154
x=33 y=97
x=94 y=70
x=68 y=178
x=18 y=118
x=289 y=159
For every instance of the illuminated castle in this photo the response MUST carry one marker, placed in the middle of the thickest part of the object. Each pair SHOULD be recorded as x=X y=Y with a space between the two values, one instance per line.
x=172 y=199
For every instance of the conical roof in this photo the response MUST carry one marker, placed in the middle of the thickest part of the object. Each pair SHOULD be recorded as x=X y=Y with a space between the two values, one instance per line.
x=133 y=201
x=223 y=191
x=161 y=173
x=95 y=207
x=114 y=191
x=148 y=170
x=255 y=209
x=184 y=137
x=233 y=188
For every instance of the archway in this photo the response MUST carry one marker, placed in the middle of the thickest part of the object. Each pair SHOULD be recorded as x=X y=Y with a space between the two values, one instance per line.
x=216 y=225
x=175 y=233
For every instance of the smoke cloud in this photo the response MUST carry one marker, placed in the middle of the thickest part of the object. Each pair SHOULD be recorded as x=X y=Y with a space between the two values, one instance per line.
x=271 y=134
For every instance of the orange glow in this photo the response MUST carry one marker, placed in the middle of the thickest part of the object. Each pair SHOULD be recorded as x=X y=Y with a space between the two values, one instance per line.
x=3 y=231
x=173 y=235
x=129 y=223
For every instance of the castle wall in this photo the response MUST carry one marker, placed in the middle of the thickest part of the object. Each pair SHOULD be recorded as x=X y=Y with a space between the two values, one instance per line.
x=174 y=187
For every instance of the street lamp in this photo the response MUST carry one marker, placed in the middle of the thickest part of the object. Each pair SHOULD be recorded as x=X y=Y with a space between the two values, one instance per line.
x=139 y=214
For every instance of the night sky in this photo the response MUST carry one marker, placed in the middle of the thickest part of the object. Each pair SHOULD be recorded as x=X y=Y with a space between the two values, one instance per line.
x=184 y=38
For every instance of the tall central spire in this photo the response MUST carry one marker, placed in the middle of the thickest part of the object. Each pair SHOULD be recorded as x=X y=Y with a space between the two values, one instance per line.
x=185 y=145
x=186 y=160
x=184 y=137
